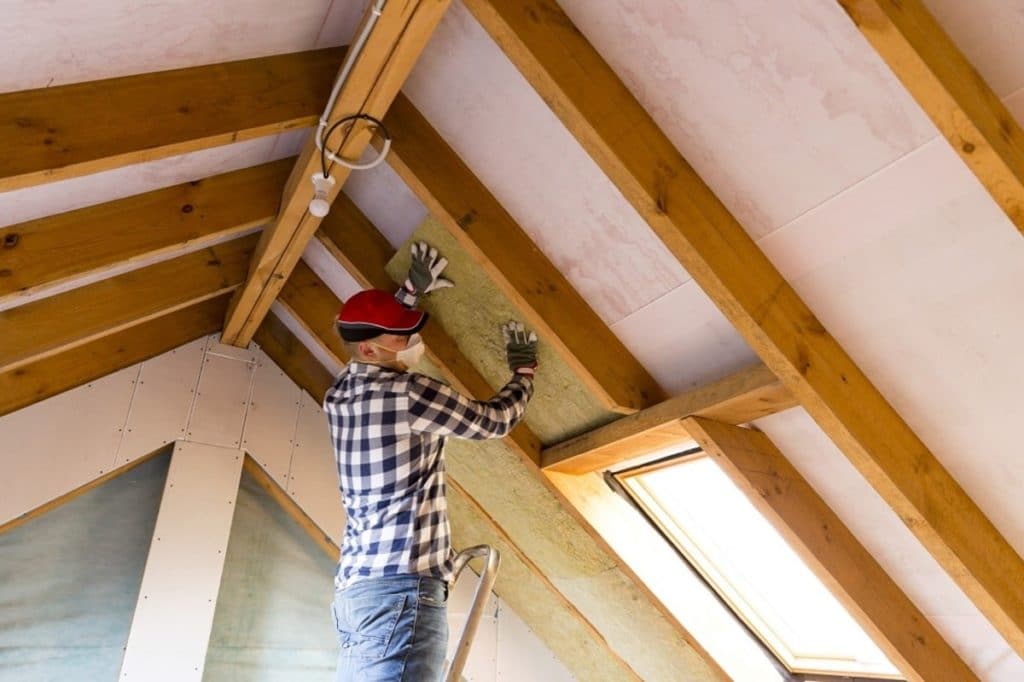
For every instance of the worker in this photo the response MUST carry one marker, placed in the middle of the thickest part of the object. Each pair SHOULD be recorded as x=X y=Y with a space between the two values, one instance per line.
x=389 y=426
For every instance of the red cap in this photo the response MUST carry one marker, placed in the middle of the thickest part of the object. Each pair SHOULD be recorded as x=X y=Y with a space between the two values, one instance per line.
x=374 y=312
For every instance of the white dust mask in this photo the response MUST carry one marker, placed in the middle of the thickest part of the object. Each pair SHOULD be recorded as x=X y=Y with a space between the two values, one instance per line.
x=412 y=353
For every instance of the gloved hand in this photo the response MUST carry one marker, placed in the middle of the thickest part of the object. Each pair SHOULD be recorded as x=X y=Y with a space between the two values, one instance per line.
x=425 y=270
x=521 y=346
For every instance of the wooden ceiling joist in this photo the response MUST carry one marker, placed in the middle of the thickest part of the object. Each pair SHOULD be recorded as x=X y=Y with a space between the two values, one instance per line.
x=44 y=378
x=548 y=302
x=70 y=130
x=284 y=348
x=950 y=90
x=698 y=229
x=42 y=254
x=55 y=324
x=736 y=399
x=400 y=34
x=830 y=550
x=313 y=305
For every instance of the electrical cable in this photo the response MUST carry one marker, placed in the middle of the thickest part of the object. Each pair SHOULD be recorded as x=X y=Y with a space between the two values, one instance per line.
x=321 y=143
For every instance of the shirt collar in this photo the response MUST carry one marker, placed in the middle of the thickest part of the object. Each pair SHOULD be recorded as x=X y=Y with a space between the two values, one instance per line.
x=369 y=370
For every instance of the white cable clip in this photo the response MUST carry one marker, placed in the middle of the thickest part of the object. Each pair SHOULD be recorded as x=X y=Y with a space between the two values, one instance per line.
x=320 y=206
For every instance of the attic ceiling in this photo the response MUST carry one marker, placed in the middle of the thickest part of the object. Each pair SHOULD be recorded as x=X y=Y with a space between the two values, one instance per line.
x=788 y=114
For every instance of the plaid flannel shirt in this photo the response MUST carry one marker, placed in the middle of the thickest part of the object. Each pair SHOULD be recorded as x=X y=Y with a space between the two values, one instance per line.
x=389 y=430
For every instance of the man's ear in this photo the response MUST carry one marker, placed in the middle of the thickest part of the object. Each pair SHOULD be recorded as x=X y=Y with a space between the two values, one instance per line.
x=367 y=350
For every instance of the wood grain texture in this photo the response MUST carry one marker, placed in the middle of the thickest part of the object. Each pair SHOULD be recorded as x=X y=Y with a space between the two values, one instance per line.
x=398 y=38
x=959 y=102
x=722 y=258
x=548 y=302
x=70 y=130
x=285 y=349
x=736 y=399
x=830 y=550
x=39 y=380
x=55 y=324
x=313 y=305
x=40 y=254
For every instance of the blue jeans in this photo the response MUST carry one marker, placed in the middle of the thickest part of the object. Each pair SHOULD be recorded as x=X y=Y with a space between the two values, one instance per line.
x=392 y=629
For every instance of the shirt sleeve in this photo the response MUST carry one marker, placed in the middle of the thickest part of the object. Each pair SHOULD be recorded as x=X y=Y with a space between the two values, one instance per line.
x=441 y=410
x=406 y=297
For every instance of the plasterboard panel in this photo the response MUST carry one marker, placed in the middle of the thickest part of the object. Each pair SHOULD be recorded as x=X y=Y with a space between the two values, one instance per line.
x=313 y=481
x=683 y=340
x=918 y=274
x=503 y=130
x=60 y=42
x=386 y=201
x=222 y=399
x=61 y=443
x=163 y=398
x=269 y=434
x=174 y=613
x=881 y=531
x=988 y=32
x=745 y=88
x=327 y=268
x=481 y=666
x=339 y=26
x=29 y=203
x=522 y=655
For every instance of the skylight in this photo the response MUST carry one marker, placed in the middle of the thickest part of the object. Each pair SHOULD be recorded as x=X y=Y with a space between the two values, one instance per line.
x=754 y=570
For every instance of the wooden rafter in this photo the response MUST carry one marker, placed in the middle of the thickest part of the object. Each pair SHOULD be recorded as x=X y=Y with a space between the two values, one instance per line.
x=378 y=72
x=738 y=398
x=548 y=302
x=42 y=254
x=830 y=550
x=951 y=91
x=70 y=130
x=698 y=229
x=52 y=325
x=281 y=346
x=313 y=305
x=39 y=380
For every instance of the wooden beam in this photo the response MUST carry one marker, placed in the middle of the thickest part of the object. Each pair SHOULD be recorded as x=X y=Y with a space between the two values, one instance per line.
x=281 y=346
x=737 y=399
x=950 y=90
x=39 y=255
x=378 y=72
x=715 y=249
x=70 y=130
x=364 y=253
x=53 y=325
x=313 y=305
x=830 y=550
x=47 y=377
x=548 y=302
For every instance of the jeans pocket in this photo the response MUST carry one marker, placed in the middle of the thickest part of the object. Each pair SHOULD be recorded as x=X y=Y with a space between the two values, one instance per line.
x=430 y=597
x=367 y=624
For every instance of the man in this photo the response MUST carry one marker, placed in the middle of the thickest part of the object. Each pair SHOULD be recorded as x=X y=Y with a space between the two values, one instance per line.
x=389 y=427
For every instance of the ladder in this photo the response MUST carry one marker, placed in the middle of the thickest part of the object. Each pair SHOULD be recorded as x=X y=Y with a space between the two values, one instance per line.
x=476 y=610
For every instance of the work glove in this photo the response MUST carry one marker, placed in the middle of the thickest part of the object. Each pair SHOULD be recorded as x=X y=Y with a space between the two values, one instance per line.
x=521 y=346
x=425 y=270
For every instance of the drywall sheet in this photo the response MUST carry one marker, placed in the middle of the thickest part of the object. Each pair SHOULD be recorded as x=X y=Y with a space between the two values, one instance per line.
x=313 y=481
x=63 y=442
x=472 y=313
x=269 y=434
x=222 y=399
x=273 y=621
x=174 y=612
x=69 y=580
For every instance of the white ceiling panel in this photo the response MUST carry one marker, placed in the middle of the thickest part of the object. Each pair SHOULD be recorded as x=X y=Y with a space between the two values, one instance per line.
x=501 y=128
x=778 y=104
x=880 y=530
x=66 y=41
x=991 y=34
x=919 y=275
x=683 y=340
